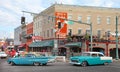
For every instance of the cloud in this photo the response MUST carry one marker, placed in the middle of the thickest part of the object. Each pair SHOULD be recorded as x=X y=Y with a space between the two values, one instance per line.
x=11 y=10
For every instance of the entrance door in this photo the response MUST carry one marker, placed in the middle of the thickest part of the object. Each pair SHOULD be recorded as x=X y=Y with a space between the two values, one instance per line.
x=62 y=52
x=113 y=53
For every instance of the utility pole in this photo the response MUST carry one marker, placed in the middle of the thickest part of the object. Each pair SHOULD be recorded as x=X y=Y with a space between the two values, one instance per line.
x=117 y=56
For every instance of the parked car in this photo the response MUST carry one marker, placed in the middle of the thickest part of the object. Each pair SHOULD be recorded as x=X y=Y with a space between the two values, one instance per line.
x=90 y=58
x=3 y=55
x=28 y=59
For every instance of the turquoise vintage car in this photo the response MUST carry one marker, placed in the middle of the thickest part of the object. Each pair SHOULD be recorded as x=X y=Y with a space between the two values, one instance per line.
x=28 y=59
x=90 y=58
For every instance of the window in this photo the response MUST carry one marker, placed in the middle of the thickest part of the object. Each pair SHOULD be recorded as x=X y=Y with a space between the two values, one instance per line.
x=94 y=55
x=47 y=33
x=98 y=33
x=44 y=33
x=87 y=31
x=100 y=55
x=79 y=31
x=69 y=32
x=69 y=21
x=69 y=16
x=108 y=20
x=88 y=19
x=108 y=33
x=79 y=18
x=51 y=32
x=98 y=20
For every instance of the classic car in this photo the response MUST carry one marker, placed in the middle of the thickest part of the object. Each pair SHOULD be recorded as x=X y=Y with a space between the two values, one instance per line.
x=28 y=59
x=90 y=58
x=3 y=55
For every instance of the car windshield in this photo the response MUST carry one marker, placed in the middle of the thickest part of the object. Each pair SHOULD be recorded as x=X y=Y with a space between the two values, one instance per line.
x=29 y=55
x=85 y=54
x=2 y=52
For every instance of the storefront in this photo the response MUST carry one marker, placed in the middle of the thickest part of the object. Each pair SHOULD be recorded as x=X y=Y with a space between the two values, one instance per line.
x=74 y=48
x=42 y=46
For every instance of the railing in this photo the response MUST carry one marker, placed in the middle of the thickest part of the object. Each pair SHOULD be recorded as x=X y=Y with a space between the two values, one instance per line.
x=64 y=41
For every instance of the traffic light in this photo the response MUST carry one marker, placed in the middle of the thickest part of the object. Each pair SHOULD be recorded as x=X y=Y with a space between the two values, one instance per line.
x=22 y=20
x=59 y=25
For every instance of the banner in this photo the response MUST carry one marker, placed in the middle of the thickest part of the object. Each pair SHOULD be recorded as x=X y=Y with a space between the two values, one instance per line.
x=60 y=17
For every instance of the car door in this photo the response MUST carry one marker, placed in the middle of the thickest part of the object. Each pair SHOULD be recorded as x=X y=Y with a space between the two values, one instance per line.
x=27 y=60
x=23 y=60
x=17 y=60
x=94 y=59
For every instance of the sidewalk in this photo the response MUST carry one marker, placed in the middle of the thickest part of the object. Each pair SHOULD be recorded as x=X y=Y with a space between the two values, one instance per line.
x=114 y=60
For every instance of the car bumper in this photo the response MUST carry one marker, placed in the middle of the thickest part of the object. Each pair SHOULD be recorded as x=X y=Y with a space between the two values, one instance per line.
x=51 y=61
x=76 y=63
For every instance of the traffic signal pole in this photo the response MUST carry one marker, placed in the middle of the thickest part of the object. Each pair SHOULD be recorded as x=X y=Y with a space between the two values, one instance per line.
x=117 y=56
x=91 y=34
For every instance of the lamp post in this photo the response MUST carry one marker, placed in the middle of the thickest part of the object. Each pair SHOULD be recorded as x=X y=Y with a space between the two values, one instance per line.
x=117 y=56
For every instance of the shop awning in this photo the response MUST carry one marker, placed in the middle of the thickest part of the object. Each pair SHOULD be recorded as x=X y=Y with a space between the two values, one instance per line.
x=36 y=44
x=48 y=43
x=77 y=44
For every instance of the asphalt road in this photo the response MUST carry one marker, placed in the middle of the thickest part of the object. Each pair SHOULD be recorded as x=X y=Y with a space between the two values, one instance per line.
x=59 y=67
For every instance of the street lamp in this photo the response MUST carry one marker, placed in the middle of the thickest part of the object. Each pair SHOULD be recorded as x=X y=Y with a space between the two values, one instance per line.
x=117 y=56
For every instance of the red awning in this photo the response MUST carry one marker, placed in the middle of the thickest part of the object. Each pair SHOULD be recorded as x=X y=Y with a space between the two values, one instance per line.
x=22 y=45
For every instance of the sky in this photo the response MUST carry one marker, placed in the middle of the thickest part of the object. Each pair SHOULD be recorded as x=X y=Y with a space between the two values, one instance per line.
x=11 y=11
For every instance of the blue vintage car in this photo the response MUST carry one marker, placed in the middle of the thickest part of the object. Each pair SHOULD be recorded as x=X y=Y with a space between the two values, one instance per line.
x=28 y=59
x=90 y=58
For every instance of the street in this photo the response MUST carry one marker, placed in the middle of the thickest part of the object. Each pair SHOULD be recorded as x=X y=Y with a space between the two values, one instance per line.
x=59 y=67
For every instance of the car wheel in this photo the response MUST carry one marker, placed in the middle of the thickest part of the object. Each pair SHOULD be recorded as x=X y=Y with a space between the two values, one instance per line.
x=84 y=64
x=12 y=63
x=106 y=63
x=36 y=63
x=44 y=64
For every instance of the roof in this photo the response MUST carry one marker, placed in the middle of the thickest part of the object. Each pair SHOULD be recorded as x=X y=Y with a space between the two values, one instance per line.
x=92 y=7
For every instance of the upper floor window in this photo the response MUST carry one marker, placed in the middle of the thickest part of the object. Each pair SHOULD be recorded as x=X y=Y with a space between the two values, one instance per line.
x=98 y=20
x=108 y=20
x=79 y=31
x=88 y=19
x=70 y=17
x=44 y=33
x=69 y=32
x=79 y=18
x=98 y=33
x=47 y=33
x=87 y=31
x=108 y=33
x=51 y=32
